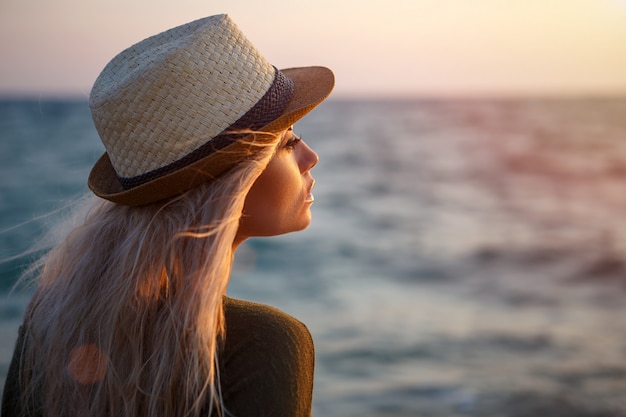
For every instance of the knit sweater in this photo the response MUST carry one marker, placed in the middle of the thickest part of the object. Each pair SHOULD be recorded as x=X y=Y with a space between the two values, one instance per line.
x=266 y=365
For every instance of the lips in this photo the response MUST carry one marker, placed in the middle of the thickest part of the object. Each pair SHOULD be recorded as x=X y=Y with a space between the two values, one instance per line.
x=309 y=197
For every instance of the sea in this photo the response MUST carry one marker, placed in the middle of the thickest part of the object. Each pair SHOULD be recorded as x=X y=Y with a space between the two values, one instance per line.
x=467 y=257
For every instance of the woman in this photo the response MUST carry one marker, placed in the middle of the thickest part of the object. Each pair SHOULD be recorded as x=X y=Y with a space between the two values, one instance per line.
x=130 y=317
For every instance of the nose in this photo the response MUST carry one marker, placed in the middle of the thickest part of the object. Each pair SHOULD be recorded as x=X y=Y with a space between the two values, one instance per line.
x=307 y=157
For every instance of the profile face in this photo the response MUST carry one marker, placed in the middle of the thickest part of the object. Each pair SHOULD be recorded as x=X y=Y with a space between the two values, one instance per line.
x=280 y=199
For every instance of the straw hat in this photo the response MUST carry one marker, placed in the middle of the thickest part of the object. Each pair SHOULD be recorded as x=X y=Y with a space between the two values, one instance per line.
x=164 y=108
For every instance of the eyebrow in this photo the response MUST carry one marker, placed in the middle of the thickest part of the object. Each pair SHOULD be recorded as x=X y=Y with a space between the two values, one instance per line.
x=285 y=137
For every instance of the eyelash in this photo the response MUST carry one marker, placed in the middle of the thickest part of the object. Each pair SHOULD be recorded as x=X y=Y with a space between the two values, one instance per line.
x=291 y=143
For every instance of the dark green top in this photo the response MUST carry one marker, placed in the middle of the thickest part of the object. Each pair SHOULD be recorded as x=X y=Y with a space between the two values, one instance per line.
x=266 y=364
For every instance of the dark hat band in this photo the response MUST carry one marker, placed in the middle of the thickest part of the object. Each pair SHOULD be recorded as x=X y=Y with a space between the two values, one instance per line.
x=267 y=109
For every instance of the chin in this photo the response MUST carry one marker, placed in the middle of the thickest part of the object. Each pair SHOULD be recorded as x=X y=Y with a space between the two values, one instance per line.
x=307 y=221
x=300 y=225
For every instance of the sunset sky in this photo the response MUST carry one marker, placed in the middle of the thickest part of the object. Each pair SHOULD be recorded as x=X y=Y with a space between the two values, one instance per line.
x=376 y=48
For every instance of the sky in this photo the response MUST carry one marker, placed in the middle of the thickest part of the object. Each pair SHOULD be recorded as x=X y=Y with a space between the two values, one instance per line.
x=381 y=48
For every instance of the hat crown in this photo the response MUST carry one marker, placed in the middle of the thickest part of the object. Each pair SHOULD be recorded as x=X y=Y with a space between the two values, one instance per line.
x=166 y=96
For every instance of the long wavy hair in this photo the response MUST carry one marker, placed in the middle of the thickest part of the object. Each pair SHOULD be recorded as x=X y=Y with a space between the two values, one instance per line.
x=128 y=312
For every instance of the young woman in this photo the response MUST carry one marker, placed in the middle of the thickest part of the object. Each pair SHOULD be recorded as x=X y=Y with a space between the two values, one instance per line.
x=130 y=317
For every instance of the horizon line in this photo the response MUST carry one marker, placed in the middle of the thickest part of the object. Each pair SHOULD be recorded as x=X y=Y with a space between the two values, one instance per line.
x=373 y=96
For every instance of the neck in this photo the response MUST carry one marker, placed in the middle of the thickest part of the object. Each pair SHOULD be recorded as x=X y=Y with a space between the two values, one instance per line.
x=238 y=241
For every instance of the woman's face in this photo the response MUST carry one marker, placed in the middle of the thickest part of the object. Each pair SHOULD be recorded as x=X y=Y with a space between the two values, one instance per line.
x=280 y=199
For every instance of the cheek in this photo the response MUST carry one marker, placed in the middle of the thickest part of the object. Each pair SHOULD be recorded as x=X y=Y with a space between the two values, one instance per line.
x=275 y=202
x=268 y=198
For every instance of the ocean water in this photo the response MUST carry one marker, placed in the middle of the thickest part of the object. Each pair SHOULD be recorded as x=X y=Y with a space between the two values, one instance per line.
x=466 y=258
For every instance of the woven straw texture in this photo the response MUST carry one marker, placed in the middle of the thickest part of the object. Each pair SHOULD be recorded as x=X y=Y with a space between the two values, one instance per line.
x=165 y=97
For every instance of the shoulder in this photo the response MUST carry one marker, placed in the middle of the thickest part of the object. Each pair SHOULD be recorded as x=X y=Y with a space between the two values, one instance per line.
x=263 y=322
x=266 y=362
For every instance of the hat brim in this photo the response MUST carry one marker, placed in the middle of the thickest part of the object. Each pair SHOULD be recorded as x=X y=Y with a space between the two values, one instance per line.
x=312 y=85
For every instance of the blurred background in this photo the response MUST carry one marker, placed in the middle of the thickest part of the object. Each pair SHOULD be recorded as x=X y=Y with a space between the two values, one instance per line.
x=466 y=256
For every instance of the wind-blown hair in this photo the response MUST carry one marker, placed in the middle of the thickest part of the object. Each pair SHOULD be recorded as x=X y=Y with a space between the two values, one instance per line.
x=128 y=315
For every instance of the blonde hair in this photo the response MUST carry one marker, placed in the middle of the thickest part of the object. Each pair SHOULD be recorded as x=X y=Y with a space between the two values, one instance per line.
x=128 y=315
